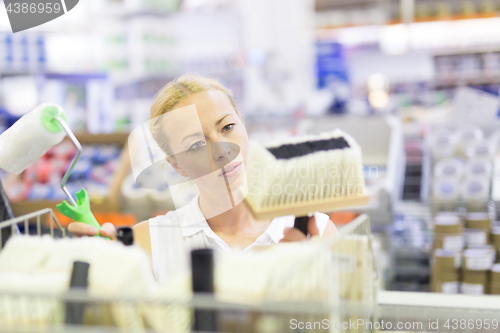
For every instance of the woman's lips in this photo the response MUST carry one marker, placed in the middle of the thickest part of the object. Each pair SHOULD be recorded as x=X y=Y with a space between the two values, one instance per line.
x=231 y=170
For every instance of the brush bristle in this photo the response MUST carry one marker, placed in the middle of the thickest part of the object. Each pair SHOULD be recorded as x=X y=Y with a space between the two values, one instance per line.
x=305 y=169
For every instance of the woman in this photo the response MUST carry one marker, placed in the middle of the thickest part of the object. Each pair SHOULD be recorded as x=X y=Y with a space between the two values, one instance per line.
x=205 y=139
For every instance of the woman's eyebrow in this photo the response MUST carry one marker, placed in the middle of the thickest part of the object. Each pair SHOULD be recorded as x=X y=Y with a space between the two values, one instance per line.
x=221 y=119
x=200 y=133
x=190 y=135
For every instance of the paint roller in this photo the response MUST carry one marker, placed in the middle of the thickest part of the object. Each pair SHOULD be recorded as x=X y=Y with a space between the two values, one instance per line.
x=30 y=138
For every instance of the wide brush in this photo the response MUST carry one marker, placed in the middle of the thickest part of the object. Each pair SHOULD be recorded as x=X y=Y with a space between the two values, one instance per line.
x=305 y=174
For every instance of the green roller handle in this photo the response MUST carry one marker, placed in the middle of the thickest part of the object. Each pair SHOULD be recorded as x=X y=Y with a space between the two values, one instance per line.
x=81 y=213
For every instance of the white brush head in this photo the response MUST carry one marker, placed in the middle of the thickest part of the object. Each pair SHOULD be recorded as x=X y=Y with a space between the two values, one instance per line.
x=310 y=169
x=30 y=137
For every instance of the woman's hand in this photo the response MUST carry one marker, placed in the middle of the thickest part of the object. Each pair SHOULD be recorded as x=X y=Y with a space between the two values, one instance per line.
x=295 y=235
x=82 y=229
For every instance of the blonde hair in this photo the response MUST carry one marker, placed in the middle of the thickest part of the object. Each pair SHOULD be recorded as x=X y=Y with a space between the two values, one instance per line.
x=175 y=92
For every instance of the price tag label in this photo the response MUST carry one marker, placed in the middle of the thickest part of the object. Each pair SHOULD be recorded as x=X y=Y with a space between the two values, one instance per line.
x=453 y=243
x=472 y=106
x=472 y=289
x=450 y=287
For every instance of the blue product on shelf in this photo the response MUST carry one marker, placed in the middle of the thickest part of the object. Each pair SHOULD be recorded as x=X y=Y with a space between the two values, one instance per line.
x=102 y=154
x=330 y=64
x=9 y=57
x=25 y=52
x=87 y=152
x=42 y=192
x=82 y=169
x=100 y=175
x=40 y=48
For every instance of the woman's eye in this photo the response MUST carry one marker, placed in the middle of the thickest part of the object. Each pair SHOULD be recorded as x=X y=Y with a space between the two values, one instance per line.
x=197 y=145
x=227 y=127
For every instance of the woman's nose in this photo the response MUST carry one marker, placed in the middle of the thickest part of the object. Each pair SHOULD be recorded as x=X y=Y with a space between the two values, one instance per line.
x=224 y=150
x=220 y=150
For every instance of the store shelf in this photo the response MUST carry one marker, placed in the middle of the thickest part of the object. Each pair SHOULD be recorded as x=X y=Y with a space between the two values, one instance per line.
x=462 y=83
x=323 y=5
x=438 y=300
x=108 y=204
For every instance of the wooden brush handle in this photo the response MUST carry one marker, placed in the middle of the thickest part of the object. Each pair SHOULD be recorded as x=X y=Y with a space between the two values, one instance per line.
x=301 y=223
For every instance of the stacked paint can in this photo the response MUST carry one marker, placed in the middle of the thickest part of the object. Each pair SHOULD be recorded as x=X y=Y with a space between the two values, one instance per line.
x=448 y=232
x=445 y=275
x=495 y=237
x=495 y=280
x=448 y=245
x=477 y=263
x=463 y=260
x=477 y=230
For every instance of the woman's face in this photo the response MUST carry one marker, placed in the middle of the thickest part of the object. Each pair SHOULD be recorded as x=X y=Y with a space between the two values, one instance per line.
x=208 y=141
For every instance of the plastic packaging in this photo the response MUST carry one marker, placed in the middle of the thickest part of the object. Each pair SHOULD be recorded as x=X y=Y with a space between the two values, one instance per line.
x=442 y=143
x=446 y=189
x=467 y=135
x=478 y=168
x=30 y=137
x=481 y=149
x=449 y=168
x=445 y=194
x=476 y=189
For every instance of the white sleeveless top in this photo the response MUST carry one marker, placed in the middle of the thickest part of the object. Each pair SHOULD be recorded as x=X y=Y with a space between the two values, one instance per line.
x=176 y=233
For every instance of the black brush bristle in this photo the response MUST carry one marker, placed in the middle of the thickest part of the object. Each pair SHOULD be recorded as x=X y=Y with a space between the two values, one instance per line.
x=293 y=150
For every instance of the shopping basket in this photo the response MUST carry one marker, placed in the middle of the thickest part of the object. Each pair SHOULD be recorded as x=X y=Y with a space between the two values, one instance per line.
x=347 y=280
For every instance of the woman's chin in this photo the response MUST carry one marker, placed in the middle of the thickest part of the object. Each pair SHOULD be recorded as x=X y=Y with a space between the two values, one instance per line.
x=217 y=186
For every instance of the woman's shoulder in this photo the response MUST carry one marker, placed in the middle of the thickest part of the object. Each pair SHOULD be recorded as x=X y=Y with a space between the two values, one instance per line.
x=170 y=218
x=142 y=237
x=177 y=217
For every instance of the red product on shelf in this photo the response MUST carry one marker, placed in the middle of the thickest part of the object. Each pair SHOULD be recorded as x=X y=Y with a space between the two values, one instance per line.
x=43 y=170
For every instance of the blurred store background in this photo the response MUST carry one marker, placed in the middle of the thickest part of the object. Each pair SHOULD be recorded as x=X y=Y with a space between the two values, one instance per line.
x=416 y=82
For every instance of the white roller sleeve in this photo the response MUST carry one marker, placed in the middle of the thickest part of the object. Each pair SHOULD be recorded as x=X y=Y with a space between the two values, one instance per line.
x=27 y=140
